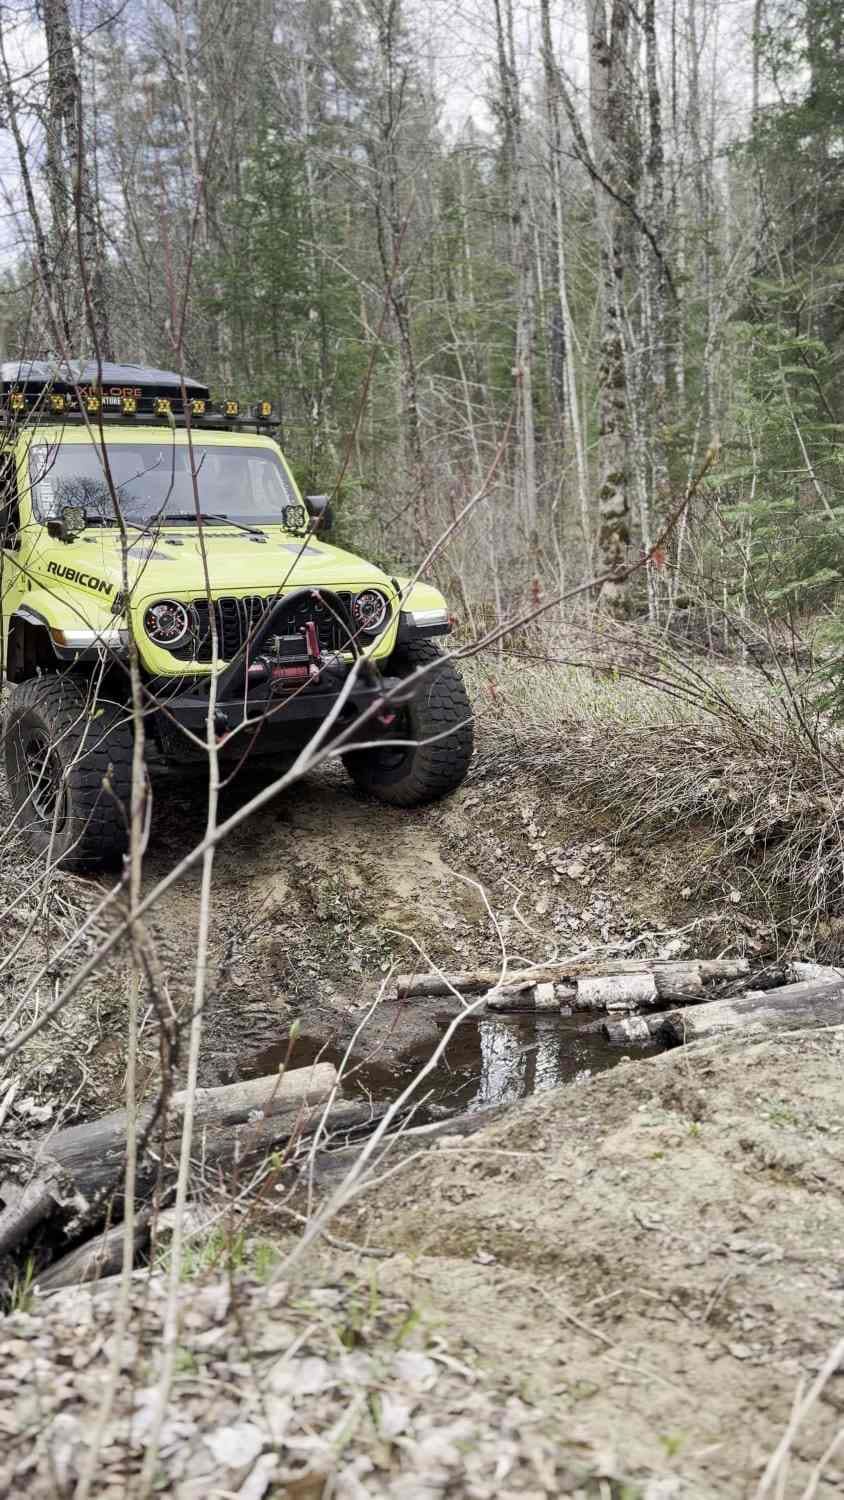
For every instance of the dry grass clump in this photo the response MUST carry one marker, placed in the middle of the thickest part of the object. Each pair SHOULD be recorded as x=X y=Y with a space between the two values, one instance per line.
x=615 y=675
x=667 y=744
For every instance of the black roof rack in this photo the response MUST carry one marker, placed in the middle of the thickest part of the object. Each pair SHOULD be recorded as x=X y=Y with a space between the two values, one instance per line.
x=38 y=390
x=65 y=377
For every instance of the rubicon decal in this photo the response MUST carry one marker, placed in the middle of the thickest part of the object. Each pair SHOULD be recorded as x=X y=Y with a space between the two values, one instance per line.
x=87 y=580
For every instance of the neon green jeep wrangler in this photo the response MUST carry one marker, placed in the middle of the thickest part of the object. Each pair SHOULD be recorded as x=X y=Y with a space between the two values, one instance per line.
x=130 y=505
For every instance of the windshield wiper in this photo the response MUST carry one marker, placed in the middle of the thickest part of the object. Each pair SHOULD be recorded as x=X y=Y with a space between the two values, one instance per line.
x=206 y=515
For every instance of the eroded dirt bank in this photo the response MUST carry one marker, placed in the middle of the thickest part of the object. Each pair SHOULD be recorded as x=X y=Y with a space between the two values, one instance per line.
x=653 y=1258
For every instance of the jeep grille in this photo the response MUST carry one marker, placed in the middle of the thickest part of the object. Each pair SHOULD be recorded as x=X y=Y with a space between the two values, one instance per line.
x=236 y=619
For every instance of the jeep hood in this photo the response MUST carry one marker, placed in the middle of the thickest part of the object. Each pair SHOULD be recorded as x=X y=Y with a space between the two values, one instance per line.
x=171 y=564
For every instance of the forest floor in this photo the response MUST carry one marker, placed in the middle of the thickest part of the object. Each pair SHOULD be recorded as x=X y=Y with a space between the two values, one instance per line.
x=623 y=1281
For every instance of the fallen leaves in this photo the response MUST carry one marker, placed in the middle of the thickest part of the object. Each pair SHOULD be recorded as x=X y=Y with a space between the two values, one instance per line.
x=381 y=1421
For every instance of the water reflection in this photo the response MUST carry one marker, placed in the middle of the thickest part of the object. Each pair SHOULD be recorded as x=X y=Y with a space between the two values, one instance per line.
x=513 y=1066
x=489 y=1061
x=504 y=1065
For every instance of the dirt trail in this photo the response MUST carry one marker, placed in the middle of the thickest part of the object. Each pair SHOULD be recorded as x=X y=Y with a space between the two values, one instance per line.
x=318 y=895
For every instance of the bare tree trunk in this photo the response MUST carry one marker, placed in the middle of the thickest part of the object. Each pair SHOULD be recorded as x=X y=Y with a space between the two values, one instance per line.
x=390 y=224
x=522 y=260
x=189 y=116
x=44 y=262
x=610 y=101
x=568 y=398
x=71 y=195
x=654 y=407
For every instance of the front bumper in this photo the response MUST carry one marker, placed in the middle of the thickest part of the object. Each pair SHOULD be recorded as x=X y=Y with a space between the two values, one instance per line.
x=276 y=720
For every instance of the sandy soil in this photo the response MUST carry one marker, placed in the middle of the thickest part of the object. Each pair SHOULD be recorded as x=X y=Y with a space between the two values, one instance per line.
x=653 y=1258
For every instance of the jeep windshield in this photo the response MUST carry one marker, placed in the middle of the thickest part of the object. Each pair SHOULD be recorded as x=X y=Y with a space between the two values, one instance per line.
x=155 y=485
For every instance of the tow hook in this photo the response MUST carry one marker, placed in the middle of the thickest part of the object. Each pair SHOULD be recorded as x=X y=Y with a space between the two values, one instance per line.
x=393 y=700
x=314 y=653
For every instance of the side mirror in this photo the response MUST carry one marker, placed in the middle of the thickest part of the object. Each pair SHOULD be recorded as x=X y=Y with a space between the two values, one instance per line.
x=68 y=525
x=319 y=510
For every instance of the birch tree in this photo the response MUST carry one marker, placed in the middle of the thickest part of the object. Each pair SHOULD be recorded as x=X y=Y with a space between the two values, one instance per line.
x=511 y=113
x=610 y=105
x=81 y=288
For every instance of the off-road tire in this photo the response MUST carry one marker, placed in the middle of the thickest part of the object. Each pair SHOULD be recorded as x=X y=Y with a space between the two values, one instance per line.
x=424 y=772
x=87 y=757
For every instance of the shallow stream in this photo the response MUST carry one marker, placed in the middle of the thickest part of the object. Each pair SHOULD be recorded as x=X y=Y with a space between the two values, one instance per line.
x=493 y=1060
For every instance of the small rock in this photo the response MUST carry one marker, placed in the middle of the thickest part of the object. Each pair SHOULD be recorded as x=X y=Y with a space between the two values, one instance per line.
x=39 y=1113
x=236 y=1446
x=575 y=870
x=257 y=1483
x=740 y=1351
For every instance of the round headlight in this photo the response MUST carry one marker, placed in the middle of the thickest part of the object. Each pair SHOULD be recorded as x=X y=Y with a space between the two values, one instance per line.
x=167 y=623
x=369 y=611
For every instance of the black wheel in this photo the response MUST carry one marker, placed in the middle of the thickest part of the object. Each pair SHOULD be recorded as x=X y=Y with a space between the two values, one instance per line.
x=430 y=767
x=69 y=770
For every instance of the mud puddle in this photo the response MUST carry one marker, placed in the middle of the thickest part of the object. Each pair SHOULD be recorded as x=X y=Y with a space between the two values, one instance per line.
x=487 y=1062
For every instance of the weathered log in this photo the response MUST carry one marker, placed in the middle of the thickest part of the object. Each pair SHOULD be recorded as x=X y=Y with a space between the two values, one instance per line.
x=682 y=984
x=25 y=1211
x=92 y=1152
x=98 y=1257
x=542 y=997
x=679 y=984
x=795 y=1005
x=639 y=1030
x=477 y=981
x=512 y=997
x=548 y=997
x=241 y=1146
x=616 y=992
x=89 y=1158
x=218 y=1148
x=799 y=971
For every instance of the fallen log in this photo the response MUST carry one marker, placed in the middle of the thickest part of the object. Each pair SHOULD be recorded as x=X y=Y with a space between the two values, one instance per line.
x=24 y=1213
x=102 y=1256
x=478 y=981
x=616 y=992
x=684 y=983
x=92 y=1152
x=218 y=1149
x=512 y=997
x=639 y=1030
x=810 y=1004
x=799 y=971
x=543 y=997
x=633 y=991
x=85 y=1160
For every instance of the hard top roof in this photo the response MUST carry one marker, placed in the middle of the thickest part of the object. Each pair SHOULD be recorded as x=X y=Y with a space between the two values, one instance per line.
x=61 y=374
